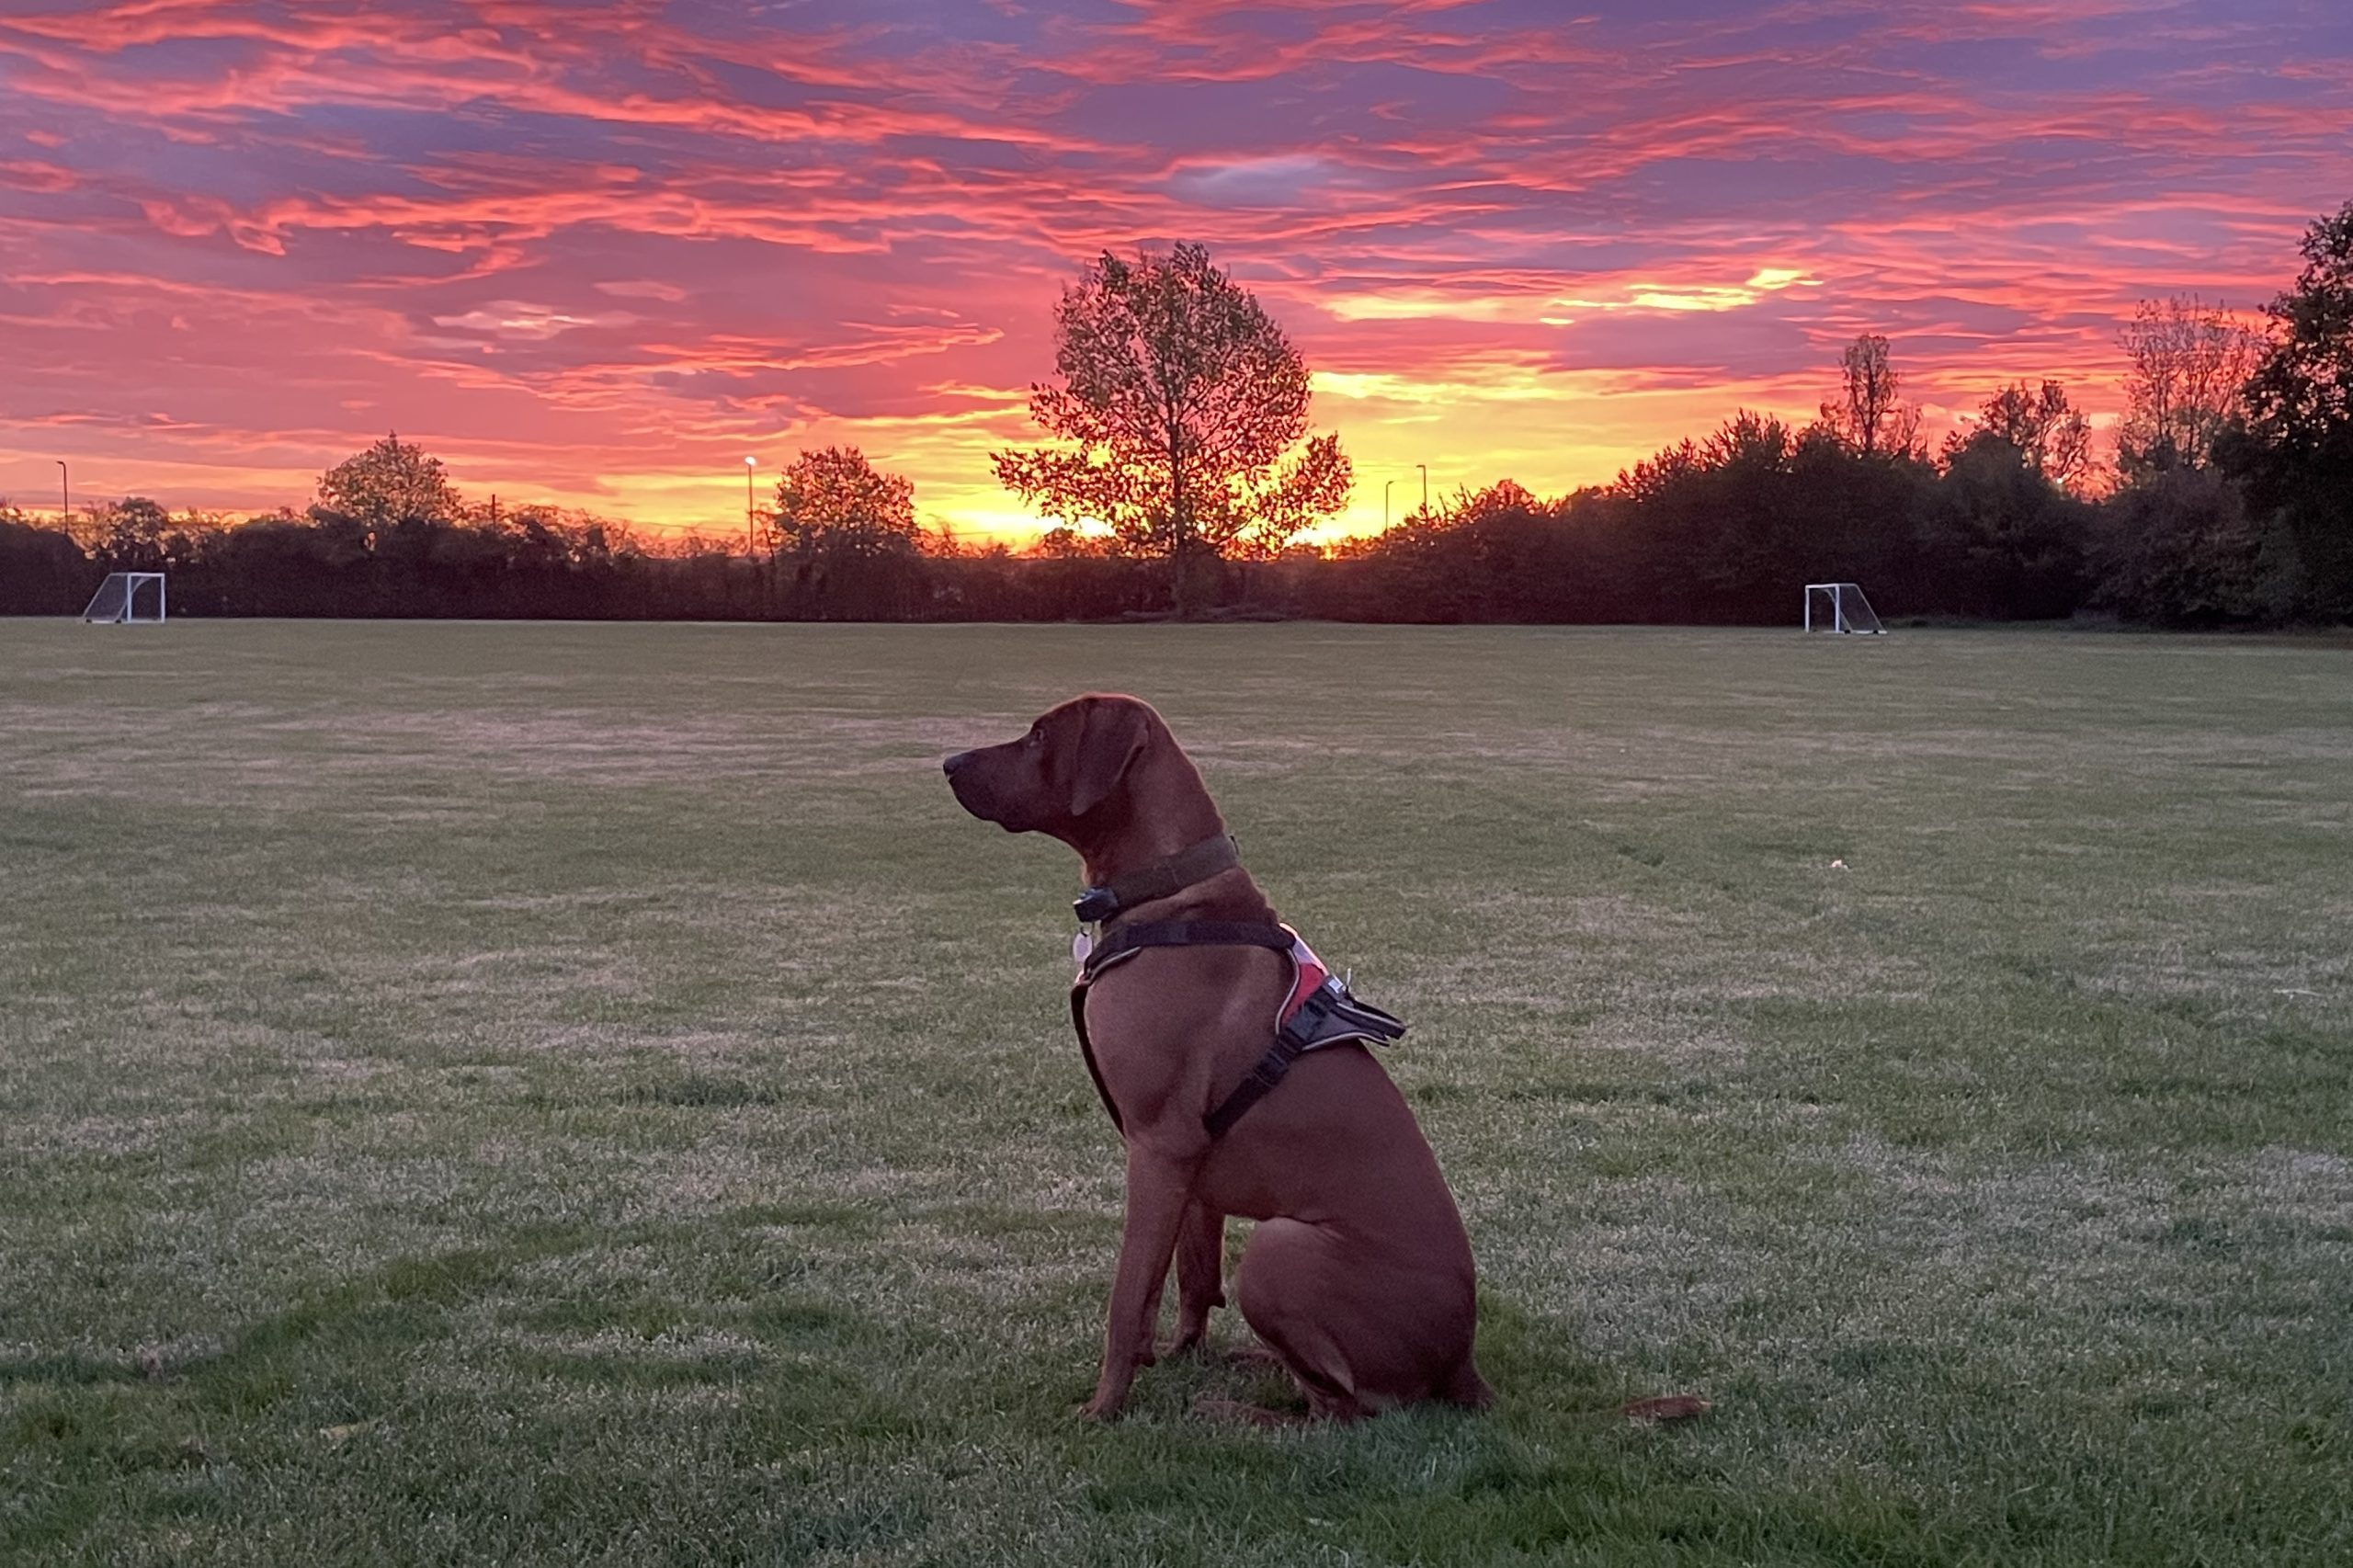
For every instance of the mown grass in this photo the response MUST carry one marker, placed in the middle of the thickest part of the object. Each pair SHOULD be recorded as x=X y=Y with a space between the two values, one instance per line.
x=562 y=1094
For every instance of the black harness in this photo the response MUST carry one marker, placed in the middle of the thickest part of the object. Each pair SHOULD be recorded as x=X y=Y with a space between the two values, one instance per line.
x=1326 y=1016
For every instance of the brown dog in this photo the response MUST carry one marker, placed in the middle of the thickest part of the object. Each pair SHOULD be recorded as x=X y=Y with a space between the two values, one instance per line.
x=1359 y=1277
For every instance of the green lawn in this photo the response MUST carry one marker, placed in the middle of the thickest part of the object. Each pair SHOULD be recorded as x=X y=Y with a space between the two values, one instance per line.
x=565 y=1095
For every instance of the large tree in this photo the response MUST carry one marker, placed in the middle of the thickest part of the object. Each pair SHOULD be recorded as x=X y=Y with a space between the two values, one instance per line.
x=391 y=483
x=834 y=499
x=1869 y=414
x=2187 y=365
x=2044 y=431
x=2297 y=455
x=1185 y=408
x=848 y=532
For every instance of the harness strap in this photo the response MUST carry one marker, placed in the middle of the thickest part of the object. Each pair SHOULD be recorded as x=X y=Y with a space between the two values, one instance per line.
x=1161 y=878
x=1269 y=1071
x=1121 y=940
x=1297 y=1034
x=1125 y=940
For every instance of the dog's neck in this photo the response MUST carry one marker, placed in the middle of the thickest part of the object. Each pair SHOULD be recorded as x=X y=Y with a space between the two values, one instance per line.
x=1117 y=839
x=1133 y=846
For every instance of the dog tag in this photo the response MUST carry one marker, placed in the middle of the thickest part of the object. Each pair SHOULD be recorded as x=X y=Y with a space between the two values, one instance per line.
x=1080 y=946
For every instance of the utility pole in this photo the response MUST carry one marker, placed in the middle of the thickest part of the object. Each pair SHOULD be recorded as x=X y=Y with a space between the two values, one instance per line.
x=751 y=543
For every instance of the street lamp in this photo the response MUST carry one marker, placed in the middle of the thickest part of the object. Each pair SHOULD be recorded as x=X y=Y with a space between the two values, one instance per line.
x=751 y=543
x=1425 y=488
x=1384 y=504
x=64 y=497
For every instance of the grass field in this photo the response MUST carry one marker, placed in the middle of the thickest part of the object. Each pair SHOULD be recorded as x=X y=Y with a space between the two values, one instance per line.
x=572 y=1095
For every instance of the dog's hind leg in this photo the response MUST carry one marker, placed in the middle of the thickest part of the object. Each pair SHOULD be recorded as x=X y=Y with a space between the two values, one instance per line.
x=1201 y=1274
x=1283 y=1285
x=1358 y=1331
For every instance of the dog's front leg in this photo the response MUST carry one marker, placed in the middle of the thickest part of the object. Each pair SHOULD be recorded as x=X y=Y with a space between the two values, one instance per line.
x=1160 y=1188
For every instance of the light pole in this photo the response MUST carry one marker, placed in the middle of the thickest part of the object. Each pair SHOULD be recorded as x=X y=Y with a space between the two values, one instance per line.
x=1425 y=488
x=751 y=545
x=1384 y=504
x=64 y=497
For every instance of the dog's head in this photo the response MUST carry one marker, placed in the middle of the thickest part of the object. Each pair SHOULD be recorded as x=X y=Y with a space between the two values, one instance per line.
x=1074 y=763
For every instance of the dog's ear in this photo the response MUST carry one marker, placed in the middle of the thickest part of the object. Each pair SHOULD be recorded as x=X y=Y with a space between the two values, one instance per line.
x=1112 y=737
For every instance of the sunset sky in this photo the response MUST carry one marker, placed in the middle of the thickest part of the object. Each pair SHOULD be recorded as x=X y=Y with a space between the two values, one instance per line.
x=597 y=254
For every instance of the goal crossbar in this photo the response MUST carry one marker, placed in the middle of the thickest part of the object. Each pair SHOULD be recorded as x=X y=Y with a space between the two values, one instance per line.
x=127 y=596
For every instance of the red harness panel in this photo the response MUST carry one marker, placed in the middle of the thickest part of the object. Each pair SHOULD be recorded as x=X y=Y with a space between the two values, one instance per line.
x=1315 y=1012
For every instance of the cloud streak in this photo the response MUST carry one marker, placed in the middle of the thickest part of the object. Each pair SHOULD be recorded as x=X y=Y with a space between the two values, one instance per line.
x=597 y=254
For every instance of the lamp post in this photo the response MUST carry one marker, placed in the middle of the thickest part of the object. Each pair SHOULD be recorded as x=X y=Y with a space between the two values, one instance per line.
x=1425 y=488
x=751 y=543
x=64 y=497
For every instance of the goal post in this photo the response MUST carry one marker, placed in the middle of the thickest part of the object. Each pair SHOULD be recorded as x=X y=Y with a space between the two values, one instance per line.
x=1841 y=608
x=126 y=597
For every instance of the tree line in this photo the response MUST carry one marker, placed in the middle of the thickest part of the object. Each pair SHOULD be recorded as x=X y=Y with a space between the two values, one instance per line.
x=1181 y=476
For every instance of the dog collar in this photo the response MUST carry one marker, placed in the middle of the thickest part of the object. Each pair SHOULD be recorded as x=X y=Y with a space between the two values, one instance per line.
x=1161 y=878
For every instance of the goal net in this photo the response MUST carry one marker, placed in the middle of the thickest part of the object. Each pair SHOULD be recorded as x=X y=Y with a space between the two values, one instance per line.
x=1839 y=607
x=127 y=596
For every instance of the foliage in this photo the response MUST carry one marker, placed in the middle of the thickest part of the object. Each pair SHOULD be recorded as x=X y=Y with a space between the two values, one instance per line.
x=847 y=532
x=1185 y=407
x=391 y=483
x=2039 y=427
x=2007 y=543
x=2177 y=548
x=42 y=570
x=834 y=499
x=2188 y=366
x=2296 y=456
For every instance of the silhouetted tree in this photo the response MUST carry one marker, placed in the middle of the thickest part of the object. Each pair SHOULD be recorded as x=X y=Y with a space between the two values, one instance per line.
x=849 y=533
x=2188 y=367
x=2297 y=452
x=42 y=570
x=1869 y=414
x=391 y=483
x=2003 y=541
x=834 y=494
x=131 y=535
x=2177 y=548
x=2047 y=434
x=1186 y=407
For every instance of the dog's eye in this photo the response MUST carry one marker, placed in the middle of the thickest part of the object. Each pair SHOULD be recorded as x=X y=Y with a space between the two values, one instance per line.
x=1034 y=738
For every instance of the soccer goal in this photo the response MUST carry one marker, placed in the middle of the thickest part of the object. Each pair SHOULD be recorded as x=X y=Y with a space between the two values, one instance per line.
x=1839 y=607
x=127 y=596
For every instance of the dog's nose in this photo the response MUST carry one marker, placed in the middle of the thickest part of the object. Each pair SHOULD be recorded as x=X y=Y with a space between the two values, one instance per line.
x=953 y=763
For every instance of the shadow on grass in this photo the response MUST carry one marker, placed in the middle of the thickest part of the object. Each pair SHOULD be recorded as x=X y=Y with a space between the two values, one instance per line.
x=1554 y=1473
